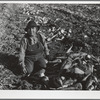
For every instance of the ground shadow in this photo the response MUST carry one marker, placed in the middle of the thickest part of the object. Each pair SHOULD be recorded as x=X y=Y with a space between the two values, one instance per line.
x=10 y=62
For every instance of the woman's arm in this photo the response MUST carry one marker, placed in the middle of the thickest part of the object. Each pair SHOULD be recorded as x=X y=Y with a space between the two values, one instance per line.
x=23 y=45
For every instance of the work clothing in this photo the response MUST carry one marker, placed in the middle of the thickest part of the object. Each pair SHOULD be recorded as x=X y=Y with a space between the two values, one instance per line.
x=31 y=51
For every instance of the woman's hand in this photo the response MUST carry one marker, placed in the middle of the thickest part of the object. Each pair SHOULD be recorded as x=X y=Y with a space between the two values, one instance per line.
x=23 y=68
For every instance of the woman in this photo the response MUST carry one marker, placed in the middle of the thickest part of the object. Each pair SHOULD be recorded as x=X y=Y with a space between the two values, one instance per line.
x=32 y=49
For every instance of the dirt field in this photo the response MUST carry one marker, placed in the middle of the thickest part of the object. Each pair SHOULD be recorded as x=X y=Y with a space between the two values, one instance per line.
x=82 y=20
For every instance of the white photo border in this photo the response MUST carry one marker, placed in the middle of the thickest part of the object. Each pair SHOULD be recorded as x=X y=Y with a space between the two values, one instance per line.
x=46 y=94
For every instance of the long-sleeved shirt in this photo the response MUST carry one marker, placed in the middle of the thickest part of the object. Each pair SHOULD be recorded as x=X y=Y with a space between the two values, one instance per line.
x=23 y=46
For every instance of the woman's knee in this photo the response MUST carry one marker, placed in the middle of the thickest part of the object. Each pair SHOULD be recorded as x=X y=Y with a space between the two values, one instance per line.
x=42 y=63
x=29 y=67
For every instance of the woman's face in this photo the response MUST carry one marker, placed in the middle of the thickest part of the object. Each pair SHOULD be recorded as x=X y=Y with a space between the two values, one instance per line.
x=32 y=31
x=53 y=29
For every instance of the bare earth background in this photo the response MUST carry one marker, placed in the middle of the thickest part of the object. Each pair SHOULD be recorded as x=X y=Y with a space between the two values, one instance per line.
x=80 y=18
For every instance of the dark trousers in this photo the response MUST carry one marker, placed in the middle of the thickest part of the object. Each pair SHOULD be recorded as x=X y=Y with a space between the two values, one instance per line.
x=29 y=62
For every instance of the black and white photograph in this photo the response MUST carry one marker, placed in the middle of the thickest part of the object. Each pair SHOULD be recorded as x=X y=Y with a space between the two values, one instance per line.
x=50 y=46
